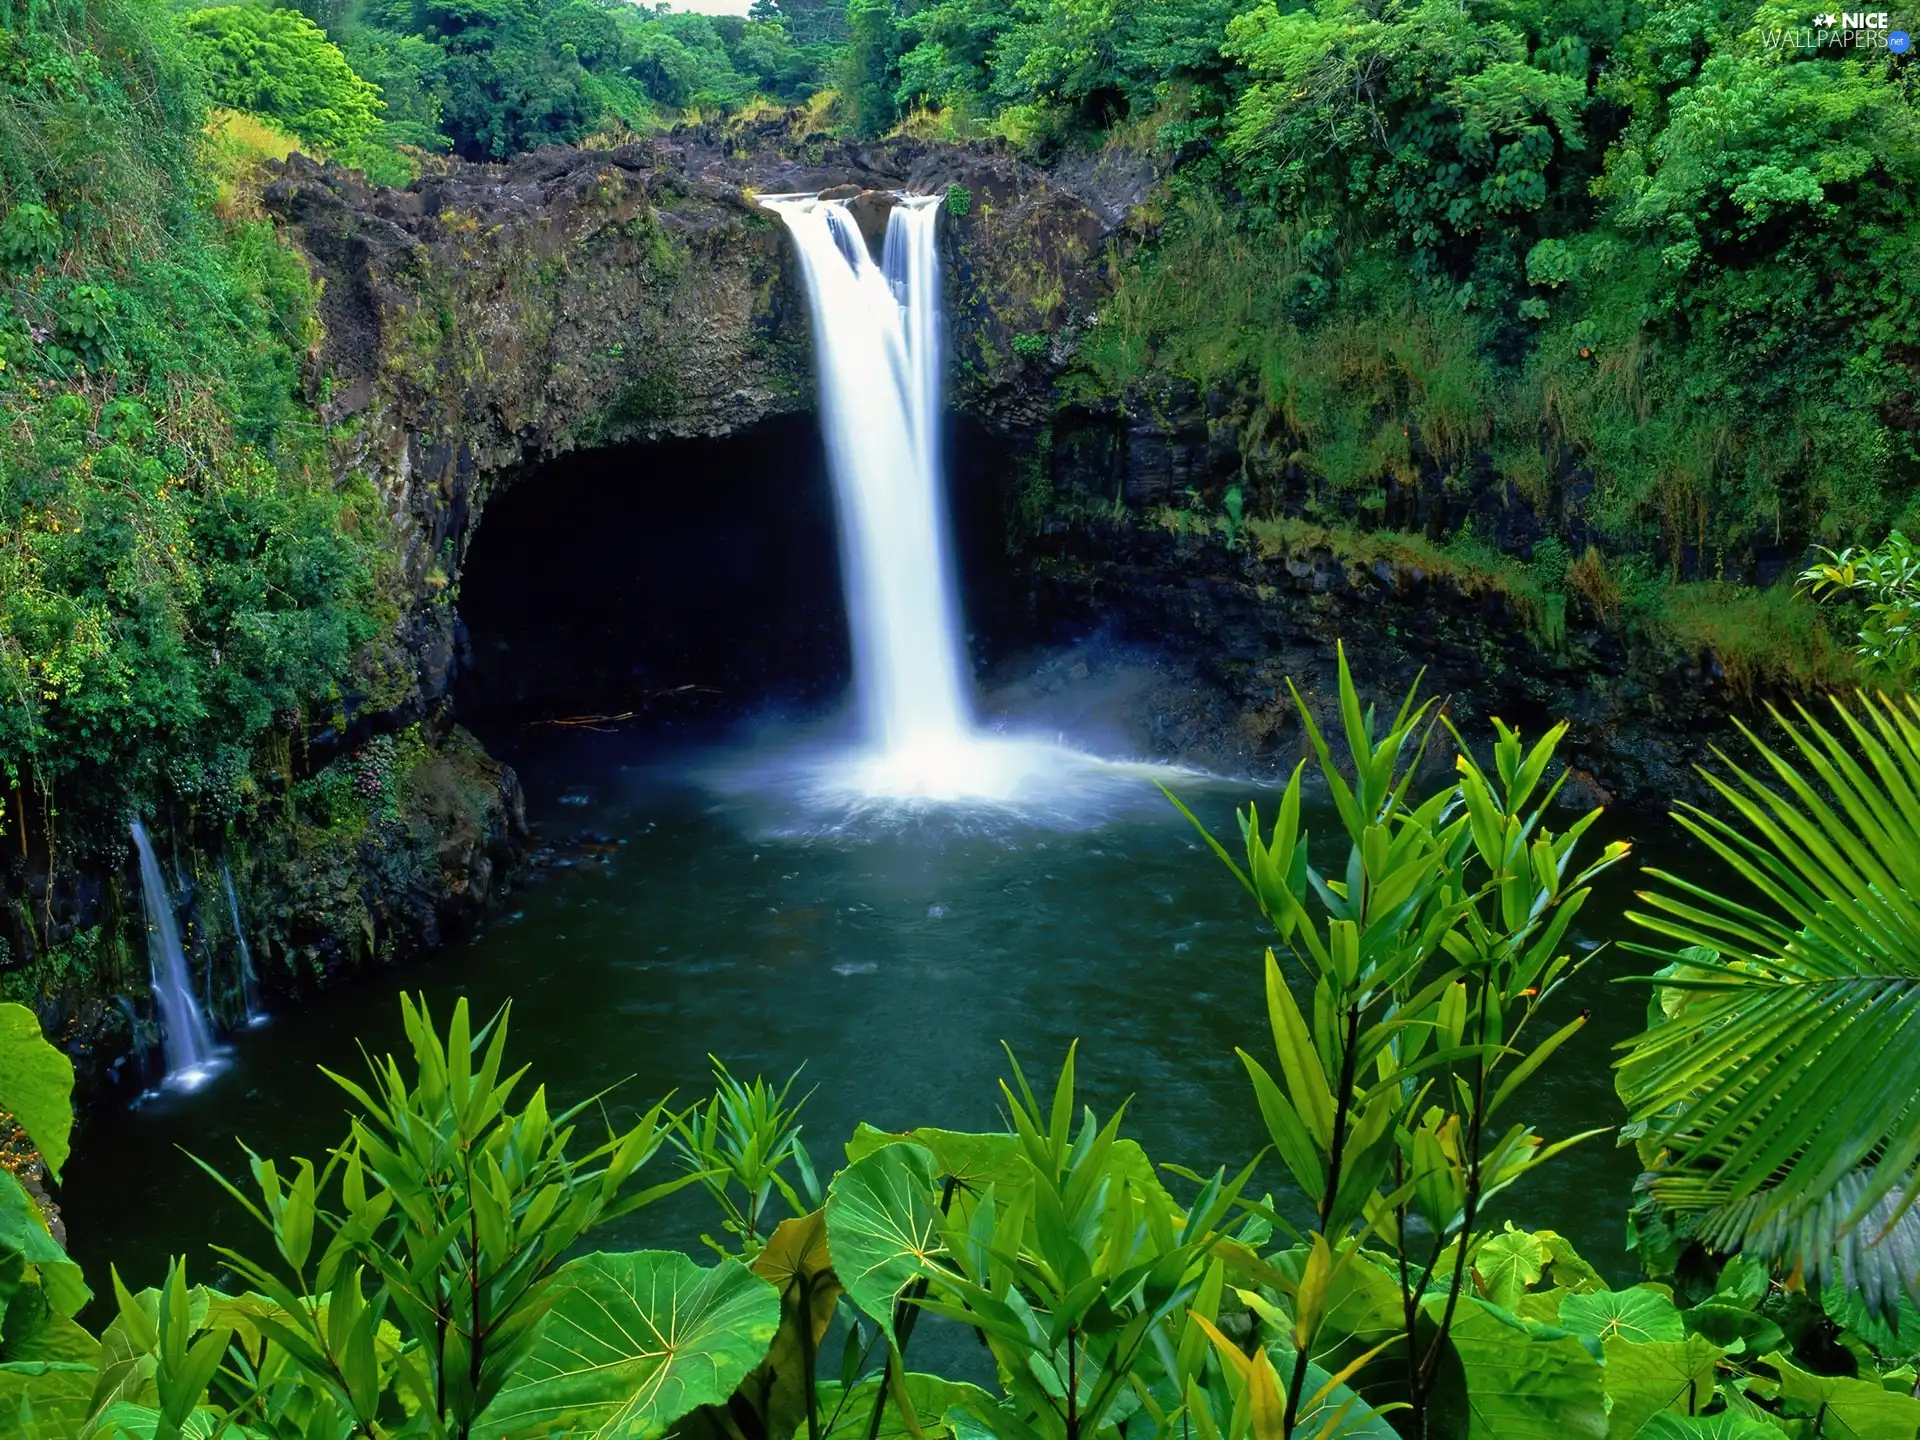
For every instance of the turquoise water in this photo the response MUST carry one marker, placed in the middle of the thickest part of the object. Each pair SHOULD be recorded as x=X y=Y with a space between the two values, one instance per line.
x=891 y=962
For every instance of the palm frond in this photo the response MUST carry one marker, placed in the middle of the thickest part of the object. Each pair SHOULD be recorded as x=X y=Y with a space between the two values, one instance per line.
x=1786 y=1093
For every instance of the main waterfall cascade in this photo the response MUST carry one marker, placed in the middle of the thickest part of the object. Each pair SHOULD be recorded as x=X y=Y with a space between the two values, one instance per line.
x=877 y=339
x=876 y=332
x=191 y=1058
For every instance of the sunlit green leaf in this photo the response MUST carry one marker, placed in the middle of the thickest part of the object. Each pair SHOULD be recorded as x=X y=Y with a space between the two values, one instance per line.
x=634 y=1342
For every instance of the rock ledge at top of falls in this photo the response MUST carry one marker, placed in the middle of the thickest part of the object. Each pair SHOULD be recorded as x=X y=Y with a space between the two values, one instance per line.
x=489 y=317
x=572 y=297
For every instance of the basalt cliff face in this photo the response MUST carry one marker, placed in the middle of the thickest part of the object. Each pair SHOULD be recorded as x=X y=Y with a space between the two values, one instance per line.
x=490 y=318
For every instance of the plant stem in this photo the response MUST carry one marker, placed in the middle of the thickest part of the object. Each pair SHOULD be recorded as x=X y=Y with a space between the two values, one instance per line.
x=809 y=1378
x=1469 y=1213
x=1073 y=1388
x=1336 y=1158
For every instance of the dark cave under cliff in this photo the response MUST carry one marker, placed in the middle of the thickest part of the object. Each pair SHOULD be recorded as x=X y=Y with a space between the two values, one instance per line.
x=693 y=581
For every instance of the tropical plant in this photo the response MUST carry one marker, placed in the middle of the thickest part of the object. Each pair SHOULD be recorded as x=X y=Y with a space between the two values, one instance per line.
x=1885 y=578
x=1773 y=1094
x=1429 y=949
x=742 y=1138
x=458 y=1211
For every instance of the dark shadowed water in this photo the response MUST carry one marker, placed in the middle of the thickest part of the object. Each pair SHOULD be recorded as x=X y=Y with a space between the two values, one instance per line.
x=892 y=964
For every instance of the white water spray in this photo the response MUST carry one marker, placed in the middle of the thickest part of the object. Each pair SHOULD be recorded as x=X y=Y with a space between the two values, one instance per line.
x=189 y=1048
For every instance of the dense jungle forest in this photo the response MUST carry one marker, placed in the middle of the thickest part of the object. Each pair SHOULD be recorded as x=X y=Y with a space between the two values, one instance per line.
x=1257 y=657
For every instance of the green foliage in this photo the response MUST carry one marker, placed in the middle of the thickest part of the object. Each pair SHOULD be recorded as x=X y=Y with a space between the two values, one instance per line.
x=633 y=1342
x=279 y=64
x=420 y=1286
x=1886 y=580
x=867 y=78
x=459 y=1211
x=1428 y=948
x=177 y=567
x=1759 y=1115
x=742 y=1138
x=36 y=1085
x=493 y=79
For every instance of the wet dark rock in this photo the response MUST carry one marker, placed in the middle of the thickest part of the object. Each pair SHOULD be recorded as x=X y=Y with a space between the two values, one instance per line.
x=871 y=210
x=1229 y=629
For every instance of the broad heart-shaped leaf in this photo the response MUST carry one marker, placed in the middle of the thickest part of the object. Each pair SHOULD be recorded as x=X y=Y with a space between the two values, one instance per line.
x=42 y=1400
x=848 y=1415
x=1507 y=1263
x=883 y=1224
x=1638 y=1314
x=635 y=1341
x=1724 y=1426
x=972 y=1160
x=24 y=1233
x=1848 y=1409
x=137 y=1422
x=1570 y=1272
x=1519 y=1386
x=797 y=1264
x=1734 y=1328
x=36 y=1085
x=1646 y=1377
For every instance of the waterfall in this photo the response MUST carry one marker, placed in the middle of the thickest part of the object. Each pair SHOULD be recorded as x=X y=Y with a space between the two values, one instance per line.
x=876 y=335
x=249 y=981
x=189 y=1050
x=877 y=348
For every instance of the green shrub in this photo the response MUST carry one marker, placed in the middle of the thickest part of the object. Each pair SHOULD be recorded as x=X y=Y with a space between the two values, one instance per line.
x=280 y=65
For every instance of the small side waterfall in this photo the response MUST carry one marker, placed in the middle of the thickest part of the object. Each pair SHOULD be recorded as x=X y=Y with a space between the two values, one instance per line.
x=876 y=332
x=249 y=981
x=189 y=1048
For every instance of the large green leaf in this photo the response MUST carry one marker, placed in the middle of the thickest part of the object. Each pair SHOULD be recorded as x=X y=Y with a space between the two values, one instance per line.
x=974 y=1160
x=1640 y=1313
x=1847 y=1409
x=23 y=1232
x=44 y=1400
x=1781 y=1089
x=1570 y=1272
x=1520 y=1386
x=1724 y=1426
x=1647 y=1377
x=1507 y=1263
x=634 y=1342
x=125 y=1421
x=848 y=1415
x=883 y=1224
x=36 y=1084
